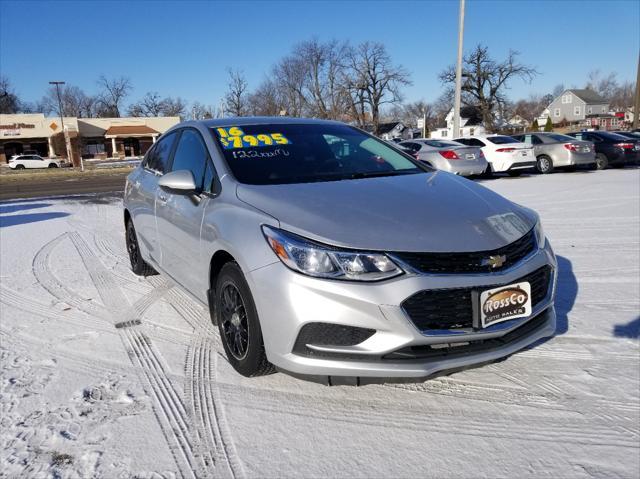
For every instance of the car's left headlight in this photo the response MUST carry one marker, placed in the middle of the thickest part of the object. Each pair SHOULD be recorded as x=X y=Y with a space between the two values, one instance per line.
x=539 y=232
x=314 y=259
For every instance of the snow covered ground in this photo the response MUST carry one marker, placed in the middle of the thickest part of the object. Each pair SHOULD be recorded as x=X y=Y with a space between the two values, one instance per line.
x=84 y=396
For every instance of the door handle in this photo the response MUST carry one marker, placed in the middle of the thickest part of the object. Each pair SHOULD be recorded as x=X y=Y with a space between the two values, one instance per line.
x=136 y=183
x=162 y=199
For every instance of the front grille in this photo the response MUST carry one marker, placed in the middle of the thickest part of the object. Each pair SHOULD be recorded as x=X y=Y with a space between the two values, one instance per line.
x=459 y=263
x=452 y=308
x=328 y=334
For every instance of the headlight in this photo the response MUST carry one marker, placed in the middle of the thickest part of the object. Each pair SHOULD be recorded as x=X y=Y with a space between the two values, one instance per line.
x=539 y=232
x=314 y=259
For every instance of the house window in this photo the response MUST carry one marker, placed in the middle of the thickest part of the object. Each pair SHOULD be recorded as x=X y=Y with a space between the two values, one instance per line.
x=576 y=110
x=604 y=109
x=444 y=133
x=556 y=112
x=566 y=98
x=590 y=110
x=471 y=131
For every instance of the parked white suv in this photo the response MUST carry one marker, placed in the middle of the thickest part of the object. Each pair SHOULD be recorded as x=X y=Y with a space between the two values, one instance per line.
x=503 y=153
x=21 y=162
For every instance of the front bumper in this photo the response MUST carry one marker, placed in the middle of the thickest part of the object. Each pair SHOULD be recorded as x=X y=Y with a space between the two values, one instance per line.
x=286 y=301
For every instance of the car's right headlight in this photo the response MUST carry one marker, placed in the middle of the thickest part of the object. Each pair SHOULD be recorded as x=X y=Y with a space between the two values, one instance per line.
x=314 y=259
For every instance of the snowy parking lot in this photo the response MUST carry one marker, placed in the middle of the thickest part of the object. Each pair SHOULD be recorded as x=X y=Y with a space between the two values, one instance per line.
x=85 y=394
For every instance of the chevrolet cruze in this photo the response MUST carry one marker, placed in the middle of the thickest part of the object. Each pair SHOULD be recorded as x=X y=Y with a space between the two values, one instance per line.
x=328 y=254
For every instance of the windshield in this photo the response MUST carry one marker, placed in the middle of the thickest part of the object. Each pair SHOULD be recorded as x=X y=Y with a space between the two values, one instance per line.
x=502 y=140
x=269 y=154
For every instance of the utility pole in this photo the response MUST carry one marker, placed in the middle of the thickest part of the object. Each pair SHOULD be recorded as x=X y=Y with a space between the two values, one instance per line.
x=65 y=133
x=456 y=100
x=636 y=105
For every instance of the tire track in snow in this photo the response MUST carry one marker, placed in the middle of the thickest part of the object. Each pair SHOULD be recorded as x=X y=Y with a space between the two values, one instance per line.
x=169 y=408
x=201 y=388
x=527 y=428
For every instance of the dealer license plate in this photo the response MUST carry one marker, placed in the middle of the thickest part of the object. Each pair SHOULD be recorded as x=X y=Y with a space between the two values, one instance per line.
x=505 y=303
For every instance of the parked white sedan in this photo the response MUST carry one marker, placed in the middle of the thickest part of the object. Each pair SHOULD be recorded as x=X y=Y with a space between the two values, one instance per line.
x=504 y=154
x=21 y=162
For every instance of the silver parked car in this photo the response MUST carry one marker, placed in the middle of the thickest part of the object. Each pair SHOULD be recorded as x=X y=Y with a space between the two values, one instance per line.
x=448 y=156
x=553 y=150
x=324 y=252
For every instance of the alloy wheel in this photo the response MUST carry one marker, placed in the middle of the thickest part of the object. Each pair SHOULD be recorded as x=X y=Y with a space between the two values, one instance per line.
x=235 y=324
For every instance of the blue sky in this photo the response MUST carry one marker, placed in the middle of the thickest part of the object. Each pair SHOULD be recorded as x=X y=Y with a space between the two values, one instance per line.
x=183 y=48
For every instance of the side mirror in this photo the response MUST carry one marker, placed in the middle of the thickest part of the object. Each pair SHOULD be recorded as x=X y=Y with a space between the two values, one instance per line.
x=180 y=181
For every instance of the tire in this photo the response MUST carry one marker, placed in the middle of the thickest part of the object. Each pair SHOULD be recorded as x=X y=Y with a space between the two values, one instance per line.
x=238 y=323
x=52 y=165
x=488 y=173
x=514 y=173
x=544 y=165
x=138 y=265
x=19 y=167
x=602 y=162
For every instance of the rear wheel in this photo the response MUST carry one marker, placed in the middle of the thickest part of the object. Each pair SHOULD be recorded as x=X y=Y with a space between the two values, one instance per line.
x=52 y=165
x=19 y=167
x=138 y=265
x=602 y=162
x=488 y=173
x=544 y=164
x=237 y=319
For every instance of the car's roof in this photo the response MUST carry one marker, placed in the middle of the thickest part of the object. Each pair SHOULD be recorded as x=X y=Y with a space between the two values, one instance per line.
x=260 y=120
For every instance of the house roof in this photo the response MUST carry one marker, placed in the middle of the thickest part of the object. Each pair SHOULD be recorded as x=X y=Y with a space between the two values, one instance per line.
x=588 y=96
x=130 y=130
x=387 y=127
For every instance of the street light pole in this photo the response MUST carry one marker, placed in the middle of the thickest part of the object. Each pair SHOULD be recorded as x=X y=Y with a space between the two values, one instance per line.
x=65 y=133
x=456 y=100
x=636 y=106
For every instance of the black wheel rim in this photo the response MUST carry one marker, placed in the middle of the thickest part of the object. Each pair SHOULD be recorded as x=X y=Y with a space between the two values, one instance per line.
x=235 y=325
x=132 y=246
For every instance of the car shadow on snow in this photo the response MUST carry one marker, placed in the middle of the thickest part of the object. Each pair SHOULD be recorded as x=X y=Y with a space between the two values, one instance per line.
x=9 y=208
x=566 y=293
x=14 y=220
x=630 y=330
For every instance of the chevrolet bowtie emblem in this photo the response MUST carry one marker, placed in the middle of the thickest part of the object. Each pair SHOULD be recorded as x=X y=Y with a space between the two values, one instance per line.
x=494 y=261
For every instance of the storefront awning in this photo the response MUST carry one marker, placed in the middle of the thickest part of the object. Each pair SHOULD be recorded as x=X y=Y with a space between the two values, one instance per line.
x=130 y=131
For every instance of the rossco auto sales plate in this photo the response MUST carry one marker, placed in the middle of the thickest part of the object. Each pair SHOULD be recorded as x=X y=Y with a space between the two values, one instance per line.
x=504 y=303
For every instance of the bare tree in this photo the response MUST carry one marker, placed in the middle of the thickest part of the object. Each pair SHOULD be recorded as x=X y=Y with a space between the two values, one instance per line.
x=485 y=81
x=75 y=102
x=372 y=81
x=266 y=100
x=289 y=76
x=200 y=111
x=112 y=94
x=603 y=85
x=236 y=96
x=9 y=101
x=154 y=105
x=174 y=107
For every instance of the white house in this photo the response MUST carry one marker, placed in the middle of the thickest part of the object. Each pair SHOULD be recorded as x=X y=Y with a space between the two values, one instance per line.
x=470 y=124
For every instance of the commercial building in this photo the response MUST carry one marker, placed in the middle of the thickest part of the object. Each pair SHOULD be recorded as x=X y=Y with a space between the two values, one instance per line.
x=89 y=137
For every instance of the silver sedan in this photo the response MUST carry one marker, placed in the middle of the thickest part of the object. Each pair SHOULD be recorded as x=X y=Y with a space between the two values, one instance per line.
x=553 y=150
x=448 y=156
x=324 y=252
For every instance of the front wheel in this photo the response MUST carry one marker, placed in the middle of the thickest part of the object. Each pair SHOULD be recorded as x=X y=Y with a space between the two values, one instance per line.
x=19 y=167
x=52 y=165
x=237 y=319
x=544 y=164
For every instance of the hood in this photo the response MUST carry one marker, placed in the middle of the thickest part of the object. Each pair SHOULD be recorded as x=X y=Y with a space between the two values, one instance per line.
x=429 y=212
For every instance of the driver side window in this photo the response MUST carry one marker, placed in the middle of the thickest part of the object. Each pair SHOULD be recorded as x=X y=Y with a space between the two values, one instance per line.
x=191 y=154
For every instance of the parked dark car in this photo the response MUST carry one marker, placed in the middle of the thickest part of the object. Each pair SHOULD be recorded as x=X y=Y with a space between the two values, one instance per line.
x=611 y=149
x=634 y=135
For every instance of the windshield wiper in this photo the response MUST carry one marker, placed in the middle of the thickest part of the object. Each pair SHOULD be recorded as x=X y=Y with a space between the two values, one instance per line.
x=374 y=174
